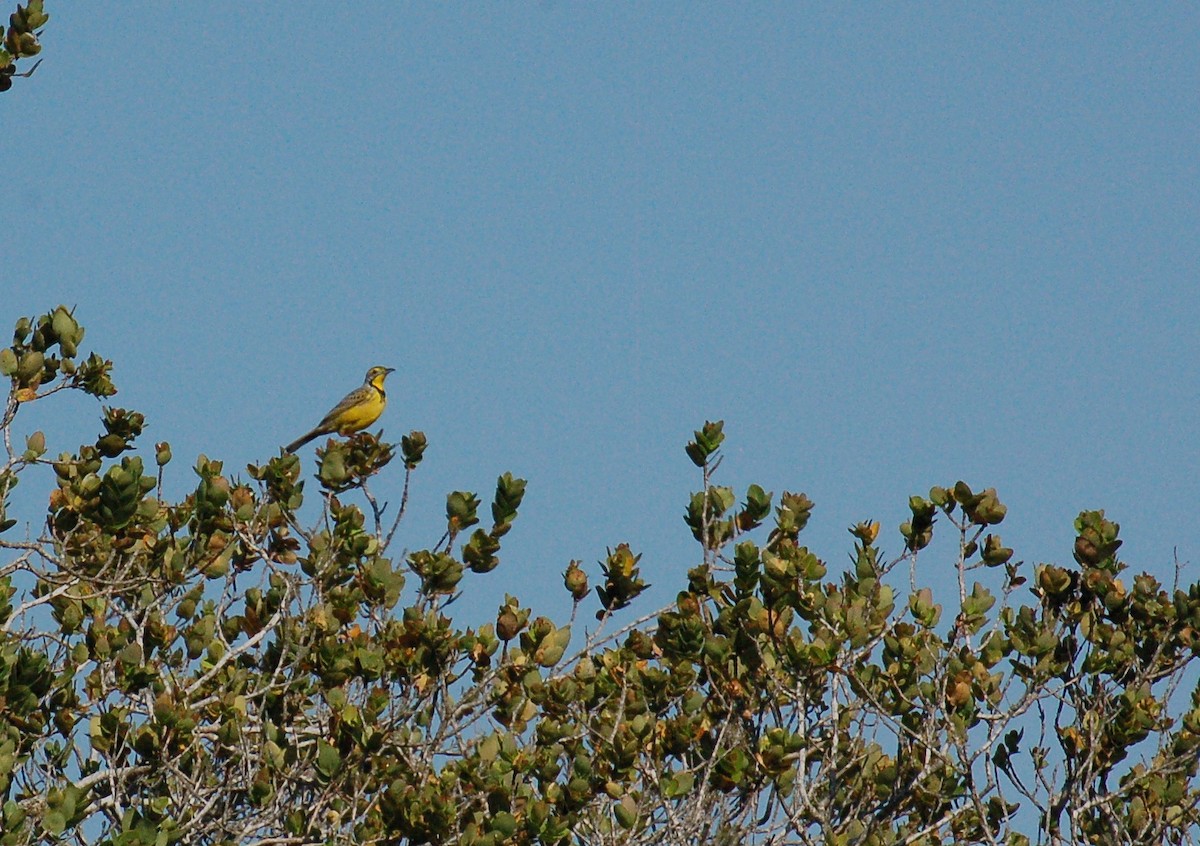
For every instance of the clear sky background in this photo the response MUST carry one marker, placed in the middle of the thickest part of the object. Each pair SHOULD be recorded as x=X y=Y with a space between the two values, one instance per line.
x=891 y=246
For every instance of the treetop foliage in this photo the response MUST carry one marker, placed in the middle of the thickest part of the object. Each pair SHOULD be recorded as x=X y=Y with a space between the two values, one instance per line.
x=219 y=670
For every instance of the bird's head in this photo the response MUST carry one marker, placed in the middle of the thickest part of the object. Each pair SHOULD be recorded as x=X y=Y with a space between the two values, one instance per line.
x=376 y=375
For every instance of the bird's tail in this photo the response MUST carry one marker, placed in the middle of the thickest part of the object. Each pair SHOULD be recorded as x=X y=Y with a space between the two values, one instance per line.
x=303 y=439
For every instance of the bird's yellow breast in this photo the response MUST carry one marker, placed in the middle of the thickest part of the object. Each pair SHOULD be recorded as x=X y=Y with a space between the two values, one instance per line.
x=361 y=413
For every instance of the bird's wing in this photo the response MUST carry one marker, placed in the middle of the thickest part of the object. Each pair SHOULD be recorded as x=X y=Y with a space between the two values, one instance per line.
x=357 y=396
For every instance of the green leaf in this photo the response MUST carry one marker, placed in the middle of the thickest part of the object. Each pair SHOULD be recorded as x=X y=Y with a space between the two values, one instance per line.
x=504 y=823
x=64 y=325
x=678 y=785
x=626 y=812
x=30 y=366
x=708 y=441
x=328 y=759
x=923 y=608
x=489 y=748
x=509 y=493
x=461 y=508
x=54 y=823
x=412 y=448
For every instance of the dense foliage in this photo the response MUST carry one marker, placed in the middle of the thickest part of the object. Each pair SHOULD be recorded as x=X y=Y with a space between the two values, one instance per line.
x=215 y=670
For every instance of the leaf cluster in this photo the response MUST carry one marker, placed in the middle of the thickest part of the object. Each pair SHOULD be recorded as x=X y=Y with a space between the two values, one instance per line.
x=20 y=41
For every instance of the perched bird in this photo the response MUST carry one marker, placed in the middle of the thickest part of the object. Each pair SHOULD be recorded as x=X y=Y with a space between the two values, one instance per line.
x=357 y=410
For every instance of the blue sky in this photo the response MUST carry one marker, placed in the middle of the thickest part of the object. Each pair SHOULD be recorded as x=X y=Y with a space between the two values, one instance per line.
x=892 y=246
